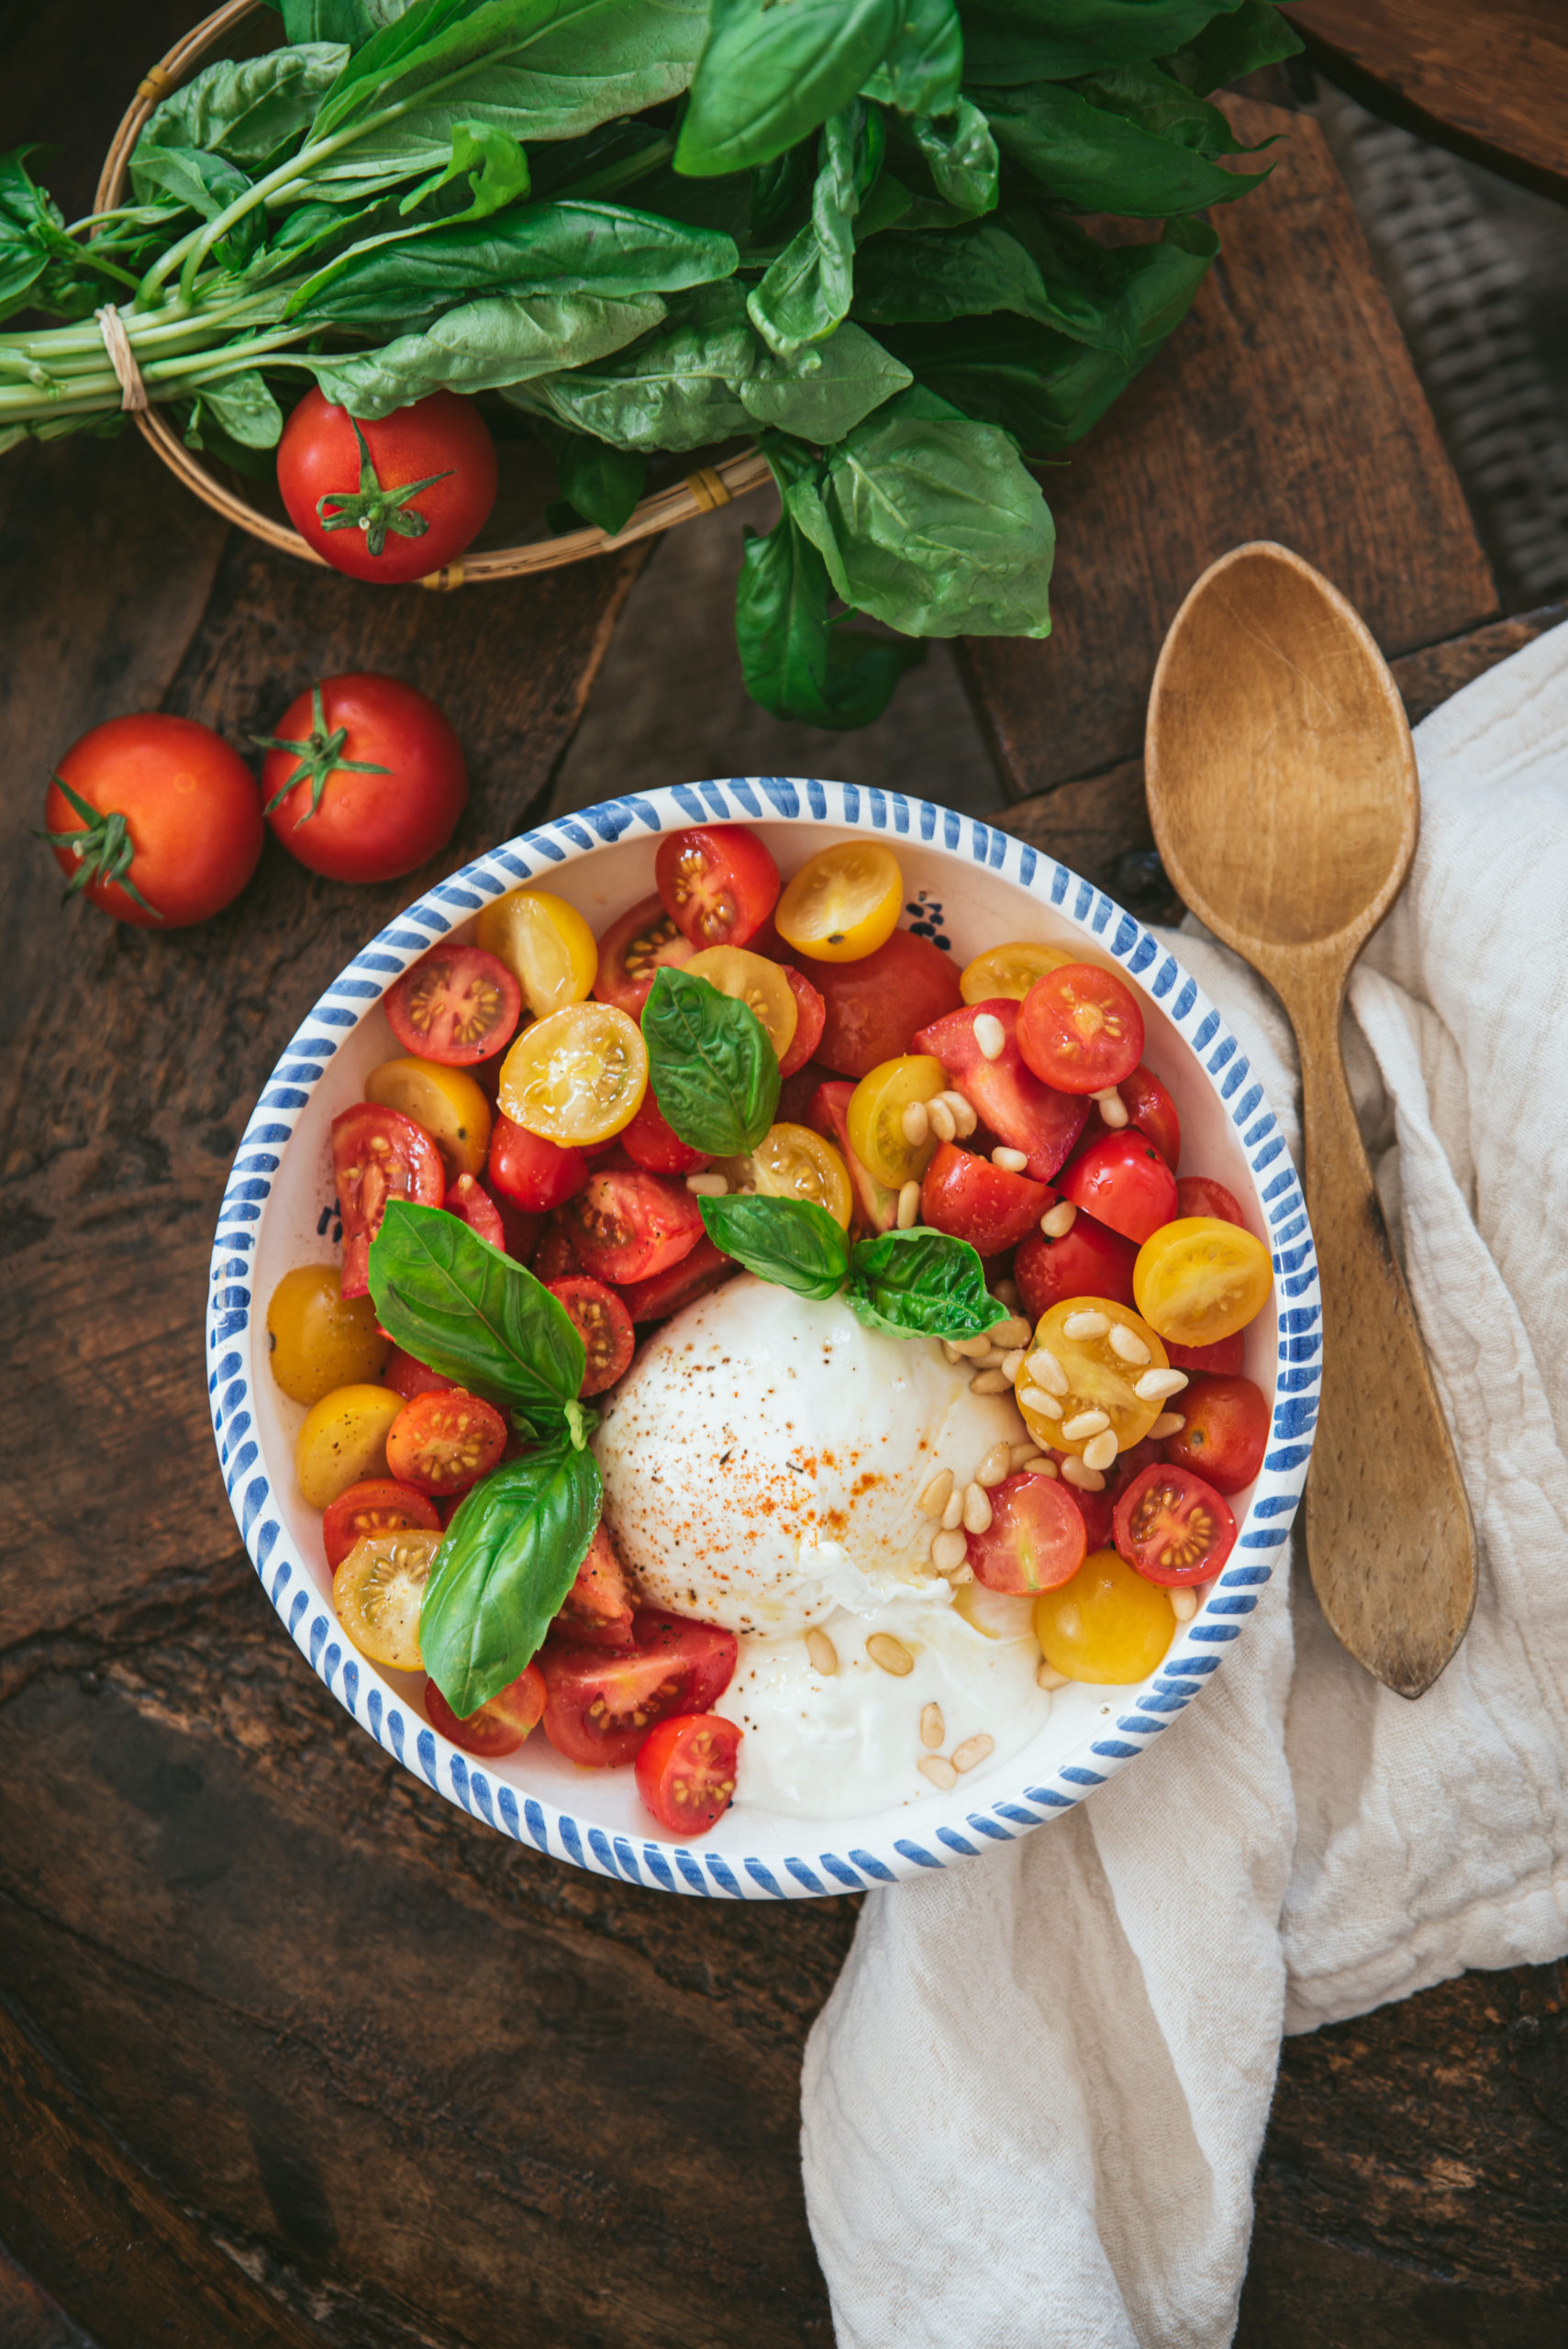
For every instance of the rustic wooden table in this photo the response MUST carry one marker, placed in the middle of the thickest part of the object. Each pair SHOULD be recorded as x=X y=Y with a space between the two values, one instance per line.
x=292 y=2053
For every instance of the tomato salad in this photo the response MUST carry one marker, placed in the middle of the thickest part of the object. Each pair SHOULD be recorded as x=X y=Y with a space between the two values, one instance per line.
x=568 y=1104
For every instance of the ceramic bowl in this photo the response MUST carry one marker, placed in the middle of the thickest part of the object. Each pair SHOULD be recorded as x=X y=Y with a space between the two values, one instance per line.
x=968 y=885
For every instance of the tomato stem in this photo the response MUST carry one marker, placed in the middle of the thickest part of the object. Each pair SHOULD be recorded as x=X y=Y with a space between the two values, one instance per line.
x=373 y=509
x=104 y=848
x=320 y=756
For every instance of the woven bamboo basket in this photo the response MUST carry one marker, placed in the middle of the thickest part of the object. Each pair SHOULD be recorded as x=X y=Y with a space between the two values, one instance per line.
x=700 y=493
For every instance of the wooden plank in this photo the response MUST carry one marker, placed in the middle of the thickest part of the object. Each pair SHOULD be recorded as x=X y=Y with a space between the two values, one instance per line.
x=1286 y=406
x=1492 y=82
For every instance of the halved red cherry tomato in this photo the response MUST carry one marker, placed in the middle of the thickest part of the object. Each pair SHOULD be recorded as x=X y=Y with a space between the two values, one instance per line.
x=627 y=1226
x=704 y=1268
x=1224 y=1358
x=1151 y=1108
x=1089 y=1260
x=971 y=1200
x=597 y=1609
x=500 y=1725
x=1095 y=1508
x=408 y=1377
x=1122 y=1181
x=532 y=1172
x=1008 y=1099
x=378 y=1154
x=1201 y=1194
x=602 y=1323
x=876 y=1205
x=685 y=1771
x=716 y=882
x=555 y=1258
x=444 y=1443
x=457 y=1005
x=376 y=1506
x=632 y=948
x=810 y=1017
x=1080 y=1028
x=600 y=1706
x=874 y=1004
x=1226 y=1434
x=1174 y=1527
x=471 y=1204
x=1035 y=1539
x=652 y=1141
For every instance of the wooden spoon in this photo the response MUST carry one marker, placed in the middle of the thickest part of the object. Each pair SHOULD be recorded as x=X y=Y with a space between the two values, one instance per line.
x=1283 y=794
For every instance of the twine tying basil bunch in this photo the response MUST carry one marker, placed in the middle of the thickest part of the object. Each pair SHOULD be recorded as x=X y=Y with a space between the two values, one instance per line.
x=842 y=226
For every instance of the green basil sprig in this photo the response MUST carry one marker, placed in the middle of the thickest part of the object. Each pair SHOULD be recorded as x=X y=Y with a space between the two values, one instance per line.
x=920 y=1284
x=791 y=1242
x=508 y=1559
x=460 y=1306
x=715 y=1074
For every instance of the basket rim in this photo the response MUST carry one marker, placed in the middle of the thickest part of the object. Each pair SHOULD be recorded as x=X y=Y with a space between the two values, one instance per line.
x=702 y=492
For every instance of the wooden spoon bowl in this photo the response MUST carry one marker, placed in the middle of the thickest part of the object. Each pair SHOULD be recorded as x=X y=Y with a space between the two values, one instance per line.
x=1284 y=799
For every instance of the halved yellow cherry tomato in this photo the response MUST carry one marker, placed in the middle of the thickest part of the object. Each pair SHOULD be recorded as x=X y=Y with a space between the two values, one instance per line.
x=753 y=980
x=378 y=1591
x=1012 y=970
x=1107 y=1625
x=577 y=1077
x=843 y=905
x=343 y=1441
x=793 y=1163
x=317 y=1339
x=1200 y=1279
x=445 y=1101
x=998 y=1614
x=876 y=1115
x=546 y=945
x=1076 y=1336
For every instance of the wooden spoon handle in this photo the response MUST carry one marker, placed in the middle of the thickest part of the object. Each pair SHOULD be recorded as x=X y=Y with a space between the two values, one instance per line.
x=1389 y=1538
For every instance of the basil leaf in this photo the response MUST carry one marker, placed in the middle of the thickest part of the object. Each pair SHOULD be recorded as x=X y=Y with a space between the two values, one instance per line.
x=825 y=390
x=242 y=407
x=1069 y=282
x=349 y=21
x=922 y=73
x=769 y=74
x=244 y=110
x=1084 y=153
x=508 y=1559
x=461 y=1307
x=1253 y=34
x=1028 y=40
x=920 y=1284
x=929 y=521
x=960 y=155
x=488 y=345
x=32 y=228
x=793 y=1242
x=795 y=661
x=675 y=389
x=715 y=1074
x=601 y=485
x=807 y=290
x=494 y=166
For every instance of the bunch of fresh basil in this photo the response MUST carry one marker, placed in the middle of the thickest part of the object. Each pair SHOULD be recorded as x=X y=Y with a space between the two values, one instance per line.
x=842 y=225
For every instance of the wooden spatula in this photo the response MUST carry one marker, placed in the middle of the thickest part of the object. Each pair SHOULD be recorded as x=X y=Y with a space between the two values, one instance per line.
x=1283 y=794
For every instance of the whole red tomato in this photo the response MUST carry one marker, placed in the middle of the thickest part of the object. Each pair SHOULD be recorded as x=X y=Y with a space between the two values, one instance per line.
x=364 y=778
x=156 y=818
x=388 y=501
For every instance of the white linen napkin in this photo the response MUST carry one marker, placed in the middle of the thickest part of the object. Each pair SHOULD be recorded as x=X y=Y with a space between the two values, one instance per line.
x=1033 y=2104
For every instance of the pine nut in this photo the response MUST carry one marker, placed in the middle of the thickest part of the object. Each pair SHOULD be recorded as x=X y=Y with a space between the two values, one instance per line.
x=940 y=1774
x=933 y=1729
x=1057 y=1222
x=1112 y=1108
x=934 y=1499
x=972 y=1752
x=1048 y=1676
x=1015 y=1330
x=1023 y=1451
x=707 y=1187
x=976 y=1509
x=1127 y=1344
x=990 y=1382
x=1101 y=1450
x=961 y=1109
x=951 y=1350
x=1036 y=1399
x=1007 y=1293
x=1079 y=1472
x=1168 y=1423
x=1183 y=1605
x=1084 y=1424
x=1010 y=1365
x=949 y=1550
x=1155 y=1385
x=973 y=1349
x=1038 y=1463
x=940 y=1120
x=908 y=1205
x=890 y=1655
x=1011 y=1162
x=1088 y=1324
x=994 y=1468
x=824 y=1655
x=990 y=1035
x=952 y=1509
x=1046 y=1371
x=915 y=1124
